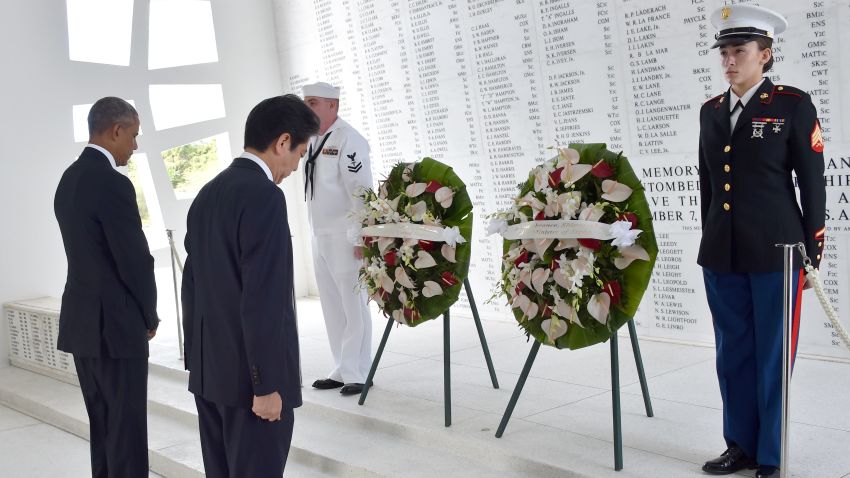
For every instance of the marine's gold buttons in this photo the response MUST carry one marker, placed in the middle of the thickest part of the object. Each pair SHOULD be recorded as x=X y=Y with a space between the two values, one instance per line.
x=727 y=186
x=727 y=168
x=726 y=206
x=820 y=244
x=727 y=149
x=780 y=88
x=818 y=256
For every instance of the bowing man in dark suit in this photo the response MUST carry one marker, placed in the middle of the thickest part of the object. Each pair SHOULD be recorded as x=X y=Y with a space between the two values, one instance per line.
x=109 y=304
x=752 y=139
x=239 y=314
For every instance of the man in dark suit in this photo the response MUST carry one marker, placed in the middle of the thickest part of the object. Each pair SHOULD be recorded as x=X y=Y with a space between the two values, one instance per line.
x=109 y=304
x=752 y=138
x=238 y=308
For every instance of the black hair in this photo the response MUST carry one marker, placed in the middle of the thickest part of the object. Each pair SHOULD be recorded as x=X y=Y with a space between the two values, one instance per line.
x=277 y=115
x=109 y=111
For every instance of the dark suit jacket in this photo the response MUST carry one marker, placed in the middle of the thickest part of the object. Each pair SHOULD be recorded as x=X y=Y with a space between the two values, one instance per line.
x=109 y=302
x=238 y=307
x=748 y=196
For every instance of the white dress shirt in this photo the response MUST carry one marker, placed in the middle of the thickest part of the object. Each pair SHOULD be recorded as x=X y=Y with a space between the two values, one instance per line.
x=733 y=101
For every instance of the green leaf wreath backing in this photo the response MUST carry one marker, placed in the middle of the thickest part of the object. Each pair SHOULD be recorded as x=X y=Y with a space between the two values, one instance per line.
x=634 y=279
x=459 y=214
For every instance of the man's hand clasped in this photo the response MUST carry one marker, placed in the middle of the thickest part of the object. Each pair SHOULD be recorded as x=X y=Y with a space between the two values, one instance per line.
x=268 y=407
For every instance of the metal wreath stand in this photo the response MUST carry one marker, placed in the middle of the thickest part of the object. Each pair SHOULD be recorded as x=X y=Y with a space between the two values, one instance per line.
x=447 y=371
x=615 y=390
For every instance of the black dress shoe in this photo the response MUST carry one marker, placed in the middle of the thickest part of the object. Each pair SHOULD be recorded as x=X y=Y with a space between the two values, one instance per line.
x=327 y=384
x=767 y=471
x=351 y=389
x=732 y=460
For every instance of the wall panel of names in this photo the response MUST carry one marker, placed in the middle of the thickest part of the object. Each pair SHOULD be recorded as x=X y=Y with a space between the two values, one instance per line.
x=487 y=86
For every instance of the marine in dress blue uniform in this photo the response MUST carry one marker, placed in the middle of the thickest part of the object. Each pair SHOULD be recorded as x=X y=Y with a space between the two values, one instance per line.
x=752 y=138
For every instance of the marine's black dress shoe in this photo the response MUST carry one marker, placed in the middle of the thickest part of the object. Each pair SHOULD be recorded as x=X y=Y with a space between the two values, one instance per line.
x=351 y=389
x=767 y=471
x=732 y=460
x=327 y=384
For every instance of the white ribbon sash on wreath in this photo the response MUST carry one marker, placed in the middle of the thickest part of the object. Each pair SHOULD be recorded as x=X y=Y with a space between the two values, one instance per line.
x=406 y=230
x=573 y=229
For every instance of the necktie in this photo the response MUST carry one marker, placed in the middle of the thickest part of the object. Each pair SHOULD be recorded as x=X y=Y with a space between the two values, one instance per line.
x=310 y=166
x=738 y=106
x=733 y=115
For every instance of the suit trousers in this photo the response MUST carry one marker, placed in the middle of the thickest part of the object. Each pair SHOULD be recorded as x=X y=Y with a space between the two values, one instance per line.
x=347 y=317
x=747 y=313
x=236 y=443
x=115 y=393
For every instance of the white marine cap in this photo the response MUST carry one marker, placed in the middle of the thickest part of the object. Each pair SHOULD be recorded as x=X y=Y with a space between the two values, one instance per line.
x=322 y=90
x=741 y=23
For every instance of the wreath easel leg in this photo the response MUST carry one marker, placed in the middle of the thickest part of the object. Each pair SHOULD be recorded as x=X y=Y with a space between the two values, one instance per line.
x=375 y=362
x=615 y=391
x=447 y=369
x=518 y=389
x=615 y=402
x=481 y=337
x=647 y=403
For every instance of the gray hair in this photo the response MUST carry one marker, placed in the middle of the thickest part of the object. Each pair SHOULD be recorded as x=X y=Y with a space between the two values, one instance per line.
x=109 y=111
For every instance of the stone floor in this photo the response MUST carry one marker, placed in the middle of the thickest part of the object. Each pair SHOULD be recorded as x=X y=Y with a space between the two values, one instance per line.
x=25 y=442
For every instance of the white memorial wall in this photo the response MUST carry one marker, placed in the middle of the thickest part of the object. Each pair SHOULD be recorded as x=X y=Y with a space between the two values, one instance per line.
x=487 y=86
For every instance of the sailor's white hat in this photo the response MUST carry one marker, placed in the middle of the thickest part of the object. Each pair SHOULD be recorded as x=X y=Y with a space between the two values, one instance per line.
x=322 y=90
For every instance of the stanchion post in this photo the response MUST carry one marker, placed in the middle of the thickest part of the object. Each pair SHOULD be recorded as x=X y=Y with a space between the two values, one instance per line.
x=297 y=334
x=173 y=253
x=787 y=318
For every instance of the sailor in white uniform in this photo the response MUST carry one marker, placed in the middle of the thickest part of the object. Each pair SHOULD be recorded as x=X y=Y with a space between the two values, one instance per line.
x=336 y=169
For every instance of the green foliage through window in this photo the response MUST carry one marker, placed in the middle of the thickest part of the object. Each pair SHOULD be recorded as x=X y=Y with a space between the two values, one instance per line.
x=190 y=166
x=140 y=194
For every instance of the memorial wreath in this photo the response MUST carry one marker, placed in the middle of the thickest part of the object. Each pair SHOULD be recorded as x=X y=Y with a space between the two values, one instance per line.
x=578 y=247
x=416 y=230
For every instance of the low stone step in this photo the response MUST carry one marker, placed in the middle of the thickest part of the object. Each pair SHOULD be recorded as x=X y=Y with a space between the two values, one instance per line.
x=174 y=447
x=392 y=435
x=346 y=443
